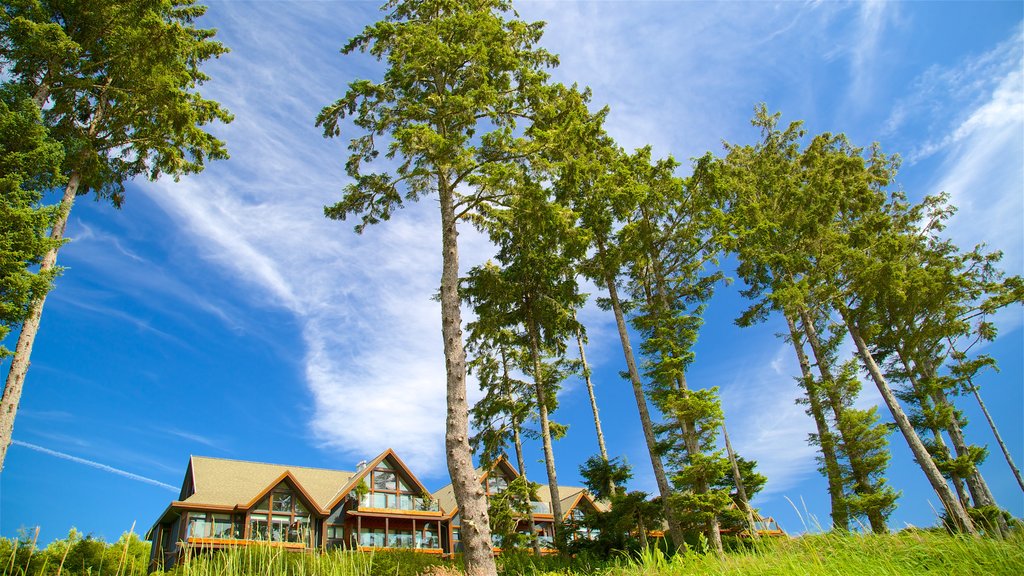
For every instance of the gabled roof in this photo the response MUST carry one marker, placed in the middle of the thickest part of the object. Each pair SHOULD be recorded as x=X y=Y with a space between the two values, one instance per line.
x=446 y=496
x=358 y=476
x=568 y=496
x=222 y=483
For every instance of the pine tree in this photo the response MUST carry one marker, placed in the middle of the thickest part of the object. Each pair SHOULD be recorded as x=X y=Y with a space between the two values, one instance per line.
x=118 y=85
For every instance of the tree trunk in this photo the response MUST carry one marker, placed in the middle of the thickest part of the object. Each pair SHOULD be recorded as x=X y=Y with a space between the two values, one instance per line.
x=593 y=408
x=469 y=494
x=833 y=473
x=675 y=532
x=980 y=492
x=741 y=492
x=521 y=462
x=545 y=428
x=860 y=475
x=999 y=439
x=957 y=515
x=26 y=337
x=712 y=527
x=940 y=452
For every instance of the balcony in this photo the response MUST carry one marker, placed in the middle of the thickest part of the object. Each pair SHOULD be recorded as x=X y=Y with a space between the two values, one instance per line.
x=540 y=507
x=405 y=502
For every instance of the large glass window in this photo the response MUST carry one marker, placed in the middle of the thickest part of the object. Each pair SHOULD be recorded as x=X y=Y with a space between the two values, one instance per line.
x=400 y=539
x=386 y=489
x=222 y=526
x=258 y=527
x=384 y=481
x=372 y=537
x=198 y=525
x=280 y=517
x=427 y=536
x=496 y=485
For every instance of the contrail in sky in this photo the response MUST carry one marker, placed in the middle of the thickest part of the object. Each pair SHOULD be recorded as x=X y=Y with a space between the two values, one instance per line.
x=103 y=467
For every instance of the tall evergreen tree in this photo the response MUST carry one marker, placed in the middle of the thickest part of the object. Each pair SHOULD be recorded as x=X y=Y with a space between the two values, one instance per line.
x=594 y=180
x=118 y=85
x=460 y=80
x=537 y=243
x=672 y=273
x=781 y=201
x=30 y=163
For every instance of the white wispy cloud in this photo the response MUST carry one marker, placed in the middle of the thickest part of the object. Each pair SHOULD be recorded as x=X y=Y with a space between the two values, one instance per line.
x=872 y=18
x=371 y=332
x=765 y=422
x=97 y=465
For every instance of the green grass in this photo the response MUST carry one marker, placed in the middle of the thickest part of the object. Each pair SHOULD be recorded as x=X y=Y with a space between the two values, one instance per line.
x=909 y=553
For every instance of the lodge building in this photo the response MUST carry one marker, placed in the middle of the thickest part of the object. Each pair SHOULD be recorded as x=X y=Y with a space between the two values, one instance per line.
x=381 y=505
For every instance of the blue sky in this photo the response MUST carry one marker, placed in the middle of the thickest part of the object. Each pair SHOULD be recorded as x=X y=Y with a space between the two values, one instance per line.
x=223 y=315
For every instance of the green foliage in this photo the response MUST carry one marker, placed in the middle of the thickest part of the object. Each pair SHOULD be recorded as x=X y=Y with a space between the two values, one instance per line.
x=599 y=475
x=507 y=508
x=120 y=81
x=459 y=78
x=30 y=165
x=75 y=555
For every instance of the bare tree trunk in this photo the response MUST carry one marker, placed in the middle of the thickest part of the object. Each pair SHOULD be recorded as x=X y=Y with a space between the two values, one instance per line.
x=940 y=443
x=675 y=532
x=521 y=462
x=956 y=512
x=980 y=492
x=545 y=428
x=593 y=408
x=469 y=494
x=999 y=439
x=860 y=475
x=15 y=382
x=741 y=492
x=833 y=474
x=593 y=399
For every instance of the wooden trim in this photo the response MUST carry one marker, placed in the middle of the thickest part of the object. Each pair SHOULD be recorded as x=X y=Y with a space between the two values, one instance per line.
x=392 y=513
x=287 y=474
x=212 y=507
x=436 y=551
x=226 y=542
x=360 y=474
x=575 y=503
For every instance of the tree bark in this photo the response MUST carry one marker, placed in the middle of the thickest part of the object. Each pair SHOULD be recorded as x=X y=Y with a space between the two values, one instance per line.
x=15 y=382
x=675 y=532
x=741 y=492
x=469 y=494
x=833 y=474
x=521 y=462
x=860 y=475
x=999 y=439
x=980 y=492
x=921 y=396
x=957 y=515
x=593 y=407
x=712 y=528
x=545 y=428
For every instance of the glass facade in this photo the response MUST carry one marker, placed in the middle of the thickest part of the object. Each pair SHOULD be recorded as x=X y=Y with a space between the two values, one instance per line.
x=280 y=517
x=209 y=525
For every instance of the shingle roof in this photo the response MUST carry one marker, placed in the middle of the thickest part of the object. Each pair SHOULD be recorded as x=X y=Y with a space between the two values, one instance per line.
x=221 y=482
x=567 y=496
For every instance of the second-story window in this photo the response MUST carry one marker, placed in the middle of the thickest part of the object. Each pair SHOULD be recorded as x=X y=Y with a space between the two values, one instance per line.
x=496 y=485
x=280 y=517
x=388 y=490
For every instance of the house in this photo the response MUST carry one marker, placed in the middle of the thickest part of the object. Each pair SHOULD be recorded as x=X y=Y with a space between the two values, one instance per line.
x=575 y=503
x=230 y=503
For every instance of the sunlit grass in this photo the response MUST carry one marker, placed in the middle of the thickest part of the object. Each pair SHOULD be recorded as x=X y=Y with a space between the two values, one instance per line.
x=908 y=553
